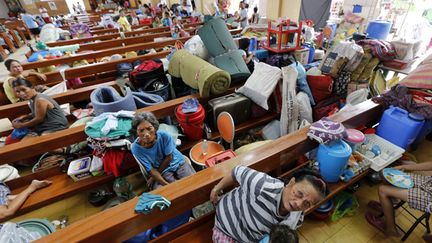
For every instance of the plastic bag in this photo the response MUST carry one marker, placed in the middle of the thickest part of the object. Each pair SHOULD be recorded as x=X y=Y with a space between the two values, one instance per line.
x=357 y=96
x=12 y=233
x=346 y=204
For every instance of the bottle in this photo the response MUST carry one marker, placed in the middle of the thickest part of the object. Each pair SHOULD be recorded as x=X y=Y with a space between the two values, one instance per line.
x=204 y=147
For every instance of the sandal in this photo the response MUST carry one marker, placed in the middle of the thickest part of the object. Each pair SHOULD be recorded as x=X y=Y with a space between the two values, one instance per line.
x=375 y=221
x=375 y=205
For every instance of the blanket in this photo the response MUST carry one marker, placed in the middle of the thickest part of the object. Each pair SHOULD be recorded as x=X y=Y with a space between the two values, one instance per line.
x=216 y=37
x=198 y=74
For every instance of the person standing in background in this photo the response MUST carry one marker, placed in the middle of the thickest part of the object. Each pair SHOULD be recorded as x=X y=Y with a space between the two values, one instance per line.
x=243 y=15
x=44 y=13
x=30 y=22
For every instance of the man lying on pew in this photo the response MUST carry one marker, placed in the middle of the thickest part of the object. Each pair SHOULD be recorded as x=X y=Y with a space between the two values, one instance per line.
x=260 y=202
x=9 y=204
x=46 y=115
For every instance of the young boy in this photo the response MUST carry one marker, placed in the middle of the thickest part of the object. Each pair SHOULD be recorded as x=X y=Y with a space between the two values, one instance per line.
x=281 y=234
x=418 y=197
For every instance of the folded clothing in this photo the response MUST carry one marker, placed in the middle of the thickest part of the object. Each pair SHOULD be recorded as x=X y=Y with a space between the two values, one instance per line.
x=148 y=201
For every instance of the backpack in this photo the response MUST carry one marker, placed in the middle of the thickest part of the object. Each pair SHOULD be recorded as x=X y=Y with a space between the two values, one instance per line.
x=147 y=71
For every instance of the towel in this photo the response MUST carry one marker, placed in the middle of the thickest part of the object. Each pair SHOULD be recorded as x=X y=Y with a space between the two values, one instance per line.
x=148 y=201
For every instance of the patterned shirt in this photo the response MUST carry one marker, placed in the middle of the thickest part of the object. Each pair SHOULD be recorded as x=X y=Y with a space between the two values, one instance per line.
x=250 y=210
x=4 y=192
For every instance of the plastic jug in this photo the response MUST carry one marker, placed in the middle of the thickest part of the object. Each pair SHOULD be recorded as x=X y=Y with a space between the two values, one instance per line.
x=400 y=127
x=333 y=158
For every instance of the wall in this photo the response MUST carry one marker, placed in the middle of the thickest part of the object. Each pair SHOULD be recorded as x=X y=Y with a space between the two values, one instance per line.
x=3 y=9
x=290 y=9
x=62 y=7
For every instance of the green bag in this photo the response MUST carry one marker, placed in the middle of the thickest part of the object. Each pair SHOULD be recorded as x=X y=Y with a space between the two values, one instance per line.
x=345 y=204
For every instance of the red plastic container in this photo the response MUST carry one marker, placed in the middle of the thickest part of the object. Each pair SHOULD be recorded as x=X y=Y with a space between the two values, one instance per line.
x=220 y=157
x=191 y=123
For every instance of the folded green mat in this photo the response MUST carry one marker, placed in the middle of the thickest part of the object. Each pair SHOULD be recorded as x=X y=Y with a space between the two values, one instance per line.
x=233 y=63
x=216 y=37
x=198 y=74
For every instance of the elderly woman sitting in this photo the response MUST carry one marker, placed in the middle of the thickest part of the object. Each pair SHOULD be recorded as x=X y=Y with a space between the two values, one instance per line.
x=156 y=151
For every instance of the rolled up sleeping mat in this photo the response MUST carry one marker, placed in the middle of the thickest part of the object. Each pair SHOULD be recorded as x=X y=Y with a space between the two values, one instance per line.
x=106 y=99
x=216 y=37
x=198 y=74
x=145 y=99
x=233 y=63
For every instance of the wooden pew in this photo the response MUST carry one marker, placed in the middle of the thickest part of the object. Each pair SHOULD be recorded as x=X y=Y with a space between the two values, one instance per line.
x=8 y=42
x=121 y=42
x=121 y=222
x=94 y=56
x=65 y=187
x=148 y=30
x=12 y=111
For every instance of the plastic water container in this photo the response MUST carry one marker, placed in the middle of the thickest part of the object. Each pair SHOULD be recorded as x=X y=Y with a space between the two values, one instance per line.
x=378 y=29
x=333 y=158
x=400 y=127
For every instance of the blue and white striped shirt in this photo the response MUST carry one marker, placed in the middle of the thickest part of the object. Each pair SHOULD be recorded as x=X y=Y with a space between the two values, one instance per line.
x=249 y=211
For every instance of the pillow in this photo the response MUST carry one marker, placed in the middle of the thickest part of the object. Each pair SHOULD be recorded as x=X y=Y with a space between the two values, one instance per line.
x=261 y=84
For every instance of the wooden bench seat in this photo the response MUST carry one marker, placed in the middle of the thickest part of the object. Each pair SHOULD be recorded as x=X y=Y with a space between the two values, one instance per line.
x=94 y=56
x=121 y=222
x=12 y=111
x=115 y=35
x=110 y=43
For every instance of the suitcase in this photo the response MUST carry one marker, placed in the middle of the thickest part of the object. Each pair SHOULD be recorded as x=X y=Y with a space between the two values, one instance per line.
x=220 y=157
x=237 y=105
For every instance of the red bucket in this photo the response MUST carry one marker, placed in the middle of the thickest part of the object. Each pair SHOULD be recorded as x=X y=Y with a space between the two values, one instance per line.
x=191 y=123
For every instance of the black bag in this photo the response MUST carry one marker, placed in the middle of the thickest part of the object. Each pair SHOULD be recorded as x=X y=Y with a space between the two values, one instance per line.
x=147 y=71
x=281 y=60
x=180 y=88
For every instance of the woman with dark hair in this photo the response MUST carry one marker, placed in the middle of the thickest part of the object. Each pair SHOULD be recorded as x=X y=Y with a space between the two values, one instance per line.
x=46 y=115
x=249 y=211
x=156 y=151
x=16 y=71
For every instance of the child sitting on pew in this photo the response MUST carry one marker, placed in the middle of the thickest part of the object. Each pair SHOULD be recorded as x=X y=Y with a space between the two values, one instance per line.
x=9 y=204
x=166 y=21
x=123 y=22
x=156 y=151
x=46 y=115
x=157 y=22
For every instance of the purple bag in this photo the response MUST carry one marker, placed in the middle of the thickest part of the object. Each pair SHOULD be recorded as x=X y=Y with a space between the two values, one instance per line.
x=326 y=130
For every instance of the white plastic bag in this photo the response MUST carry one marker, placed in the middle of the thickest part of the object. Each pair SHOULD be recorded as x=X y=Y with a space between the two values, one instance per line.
x=357 y=97
x=12 y=233
x=196 y=47
x=96 y=164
